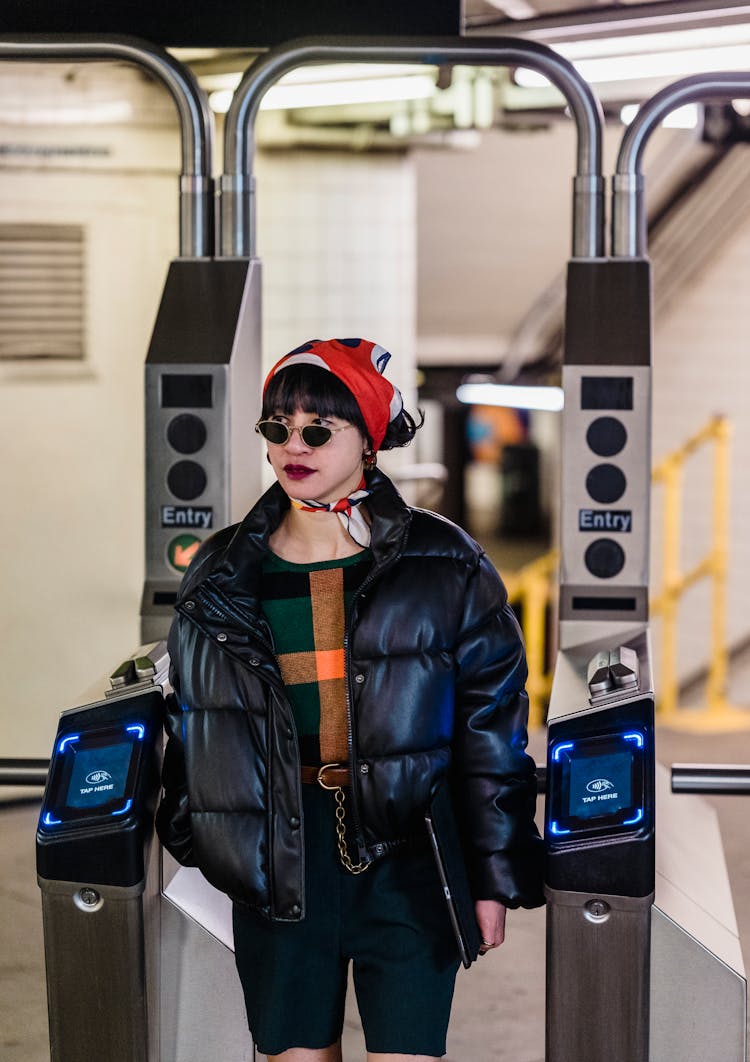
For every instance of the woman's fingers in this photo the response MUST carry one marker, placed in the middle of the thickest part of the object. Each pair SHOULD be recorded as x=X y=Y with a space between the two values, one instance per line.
x=490 y=916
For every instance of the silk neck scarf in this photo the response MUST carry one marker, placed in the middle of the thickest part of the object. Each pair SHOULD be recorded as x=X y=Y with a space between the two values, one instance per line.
x=346 y=509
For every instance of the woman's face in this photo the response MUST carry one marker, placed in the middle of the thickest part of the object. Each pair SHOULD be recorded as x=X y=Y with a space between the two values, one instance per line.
x=321 y=473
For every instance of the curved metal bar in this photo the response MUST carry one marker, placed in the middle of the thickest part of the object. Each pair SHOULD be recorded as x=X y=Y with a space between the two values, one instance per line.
x=237 y=183
x=196 y=123
x=628 y=208
x=719 y=778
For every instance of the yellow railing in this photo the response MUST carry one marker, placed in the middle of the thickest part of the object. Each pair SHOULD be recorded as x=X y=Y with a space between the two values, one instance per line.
x=714 y=566
x=534 y=589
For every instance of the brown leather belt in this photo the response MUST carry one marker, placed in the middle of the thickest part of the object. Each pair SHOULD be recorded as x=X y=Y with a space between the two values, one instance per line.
x=329 y=776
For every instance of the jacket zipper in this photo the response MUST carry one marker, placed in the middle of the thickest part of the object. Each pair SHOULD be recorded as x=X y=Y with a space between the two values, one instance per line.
x=254 y=631
x=371 y=578
x=279 y=686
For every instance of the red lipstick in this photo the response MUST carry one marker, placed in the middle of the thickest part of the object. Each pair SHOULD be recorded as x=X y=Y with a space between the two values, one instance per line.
x=298 y=471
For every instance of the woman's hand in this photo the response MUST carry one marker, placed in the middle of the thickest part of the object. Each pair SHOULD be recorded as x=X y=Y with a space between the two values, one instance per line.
x=490 y=917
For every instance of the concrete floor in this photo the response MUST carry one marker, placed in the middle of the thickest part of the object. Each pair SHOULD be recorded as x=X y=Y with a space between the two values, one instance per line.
x=499 y=1009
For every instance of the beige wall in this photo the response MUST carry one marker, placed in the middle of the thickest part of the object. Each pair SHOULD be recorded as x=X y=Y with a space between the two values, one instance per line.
x=337 y=239
x=71 y=477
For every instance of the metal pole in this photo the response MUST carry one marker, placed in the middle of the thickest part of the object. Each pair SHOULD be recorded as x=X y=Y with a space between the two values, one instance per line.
x=23 y=772
x=672 y=579
x=628 y=212
x=196 y=123
x=237 y=182
x=716 y=694
x=722 y=779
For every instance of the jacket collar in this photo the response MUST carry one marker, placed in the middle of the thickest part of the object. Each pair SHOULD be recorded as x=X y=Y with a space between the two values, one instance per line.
x=236 y=573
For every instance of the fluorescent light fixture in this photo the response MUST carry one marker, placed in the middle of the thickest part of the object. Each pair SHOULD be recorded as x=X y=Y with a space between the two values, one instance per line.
x=221 y=100
x=650 y=65
x=334 y=85
x=683 y=118
x=94 y=114
x=338 y=93
x=653 y=55
x=668 y=41
x=511 y=396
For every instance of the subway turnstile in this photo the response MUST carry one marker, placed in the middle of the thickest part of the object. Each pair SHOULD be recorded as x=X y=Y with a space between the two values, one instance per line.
x=138 y=952
x=97 y=870
x=600 y=863
x=203 y=374
x=643 y=956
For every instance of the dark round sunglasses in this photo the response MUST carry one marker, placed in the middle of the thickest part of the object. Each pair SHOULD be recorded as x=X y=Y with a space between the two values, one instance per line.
x=276 y=431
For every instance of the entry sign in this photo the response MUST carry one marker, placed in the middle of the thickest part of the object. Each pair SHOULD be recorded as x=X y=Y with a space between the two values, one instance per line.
x=605 y=519
x=187 y=516
x=181 y=551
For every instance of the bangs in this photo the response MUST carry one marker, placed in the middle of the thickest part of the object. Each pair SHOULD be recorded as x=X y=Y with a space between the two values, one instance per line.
x=313 y=390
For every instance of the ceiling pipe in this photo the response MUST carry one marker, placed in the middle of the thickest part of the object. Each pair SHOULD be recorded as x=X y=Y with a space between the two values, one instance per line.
x=196 y=121
x=237 y=182
x=629 y=237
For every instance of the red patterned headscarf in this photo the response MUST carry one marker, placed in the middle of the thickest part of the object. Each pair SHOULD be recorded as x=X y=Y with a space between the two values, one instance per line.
x=359 y=364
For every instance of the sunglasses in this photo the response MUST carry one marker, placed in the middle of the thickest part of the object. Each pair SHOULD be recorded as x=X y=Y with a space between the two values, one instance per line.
x=275 y=431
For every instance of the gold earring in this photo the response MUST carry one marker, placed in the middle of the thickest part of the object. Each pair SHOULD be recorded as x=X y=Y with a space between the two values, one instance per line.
x=369 y=459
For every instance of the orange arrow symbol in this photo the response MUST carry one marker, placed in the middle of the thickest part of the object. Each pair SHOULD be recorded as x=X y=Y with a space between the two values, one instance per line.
x=184 y=554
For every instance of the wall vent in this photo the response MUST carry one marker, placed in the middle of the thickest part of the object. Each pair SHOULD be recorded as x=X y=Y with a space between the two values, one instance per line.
x=42 y=275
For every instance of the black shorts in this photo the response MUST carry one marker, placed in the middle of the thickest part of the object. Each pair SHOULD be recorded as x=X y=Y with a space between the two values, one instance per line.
x=391 y=922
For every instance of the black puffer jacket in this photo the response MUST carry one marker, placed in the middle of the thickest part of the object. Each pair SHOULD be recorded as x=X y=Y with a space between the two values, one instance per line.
x=435 y=674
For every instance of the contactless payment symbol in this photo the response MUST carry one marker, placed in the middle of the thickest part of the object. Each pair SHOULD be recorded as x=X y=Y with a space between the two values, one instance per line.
x=181 y=551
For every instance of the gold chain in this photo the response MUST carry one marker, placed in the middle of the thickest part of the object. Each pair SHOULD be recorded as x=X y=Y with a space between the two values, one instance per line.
x=353 y=868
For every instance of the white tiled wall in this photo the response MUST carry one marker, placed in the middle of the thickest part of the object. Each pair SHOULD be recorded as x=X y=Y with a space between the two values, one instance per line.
x=337 y=237
x=701 y=368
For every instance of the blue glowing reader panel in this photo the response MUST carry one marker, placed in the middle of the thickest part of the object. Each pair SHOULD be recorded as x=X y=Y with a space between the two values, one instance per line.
x=596 y=784
x=93 y=774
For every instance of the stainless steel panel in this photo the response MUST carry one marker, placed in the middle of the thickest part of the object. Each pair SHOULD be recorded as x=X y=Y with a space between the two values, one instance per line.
x=692 y=883
x=218 y=334
x=214 y=458
x=596 y=967
x=698 y=1003
x=246 y=451
x=570 y=691
x=202 y=1008
x=634 y=461
x=101 y=968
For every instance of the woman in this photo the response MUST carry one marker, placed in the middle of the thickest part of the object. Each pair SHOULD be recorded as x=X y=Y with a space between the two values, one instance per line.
x=334 y=657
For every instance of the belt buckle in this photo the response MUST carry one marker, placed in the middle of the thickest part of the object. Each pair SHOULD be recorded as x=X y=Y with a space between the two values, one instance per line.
x=325 y=767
